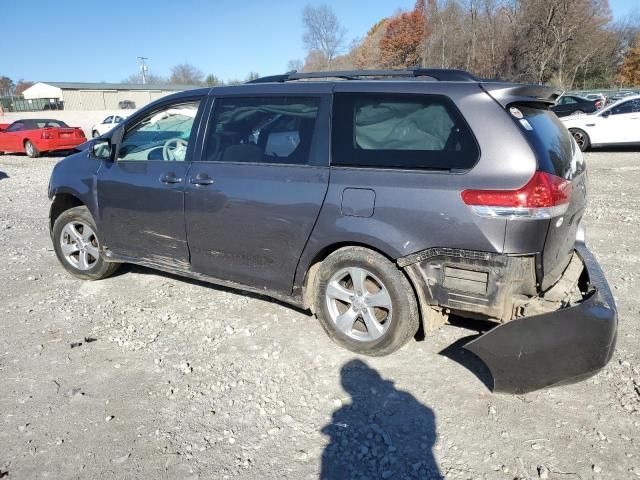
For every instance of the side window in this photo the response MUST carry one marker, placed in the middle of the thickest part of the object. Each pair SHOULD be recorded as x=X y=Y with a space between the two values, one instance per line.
x=401 y=131
x=626 y=107
x=163 y=135
x=107 y=120
x=569 y=100
x=16 y=127
x=118 y=119
x=275 y=130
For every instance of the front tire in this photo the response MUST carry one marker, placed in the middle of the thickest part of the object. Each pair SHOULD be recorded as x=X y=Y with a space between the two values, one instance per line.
x=95 y=134
x=31 y=150
x=364 y=302
x=77 y=246
x=581 y=137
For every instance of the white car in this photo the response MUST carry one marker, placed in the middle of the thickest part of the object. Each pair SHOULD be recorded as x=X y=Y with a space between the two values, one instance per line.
x=617 y=124
x=107 y=124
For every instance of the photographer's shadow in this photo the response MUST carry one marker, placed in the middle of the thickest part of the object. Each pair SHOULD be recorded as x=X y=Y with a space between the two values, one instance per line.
x=382 y=433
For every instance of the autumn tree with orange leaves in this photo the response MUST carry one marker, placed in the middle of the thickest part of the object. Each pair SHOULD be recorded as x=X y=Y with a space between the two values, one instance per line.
x=403 y=41
x=629 y=74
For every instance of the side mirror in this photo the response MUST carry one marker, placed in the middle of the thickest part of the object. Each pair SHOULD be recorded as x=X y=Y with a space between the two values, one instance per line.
x=107 y=148
x=606 y=113
x=101 y=148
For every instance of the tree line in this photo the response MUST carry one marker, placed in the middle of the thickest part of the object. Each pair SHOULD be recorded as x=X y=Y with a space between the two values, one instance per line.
x=187 y=74
x=10 y=88
x=567 y=43
x=181 y=74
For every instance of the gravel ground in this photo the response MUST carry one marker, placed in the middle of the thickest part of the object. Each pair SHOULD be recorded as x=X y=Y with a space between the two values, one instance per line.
x=146 y=375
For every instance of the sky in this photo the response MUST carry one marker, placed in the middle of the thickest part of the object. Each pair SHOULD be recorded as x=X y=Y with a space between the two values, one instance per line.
x=91 y=41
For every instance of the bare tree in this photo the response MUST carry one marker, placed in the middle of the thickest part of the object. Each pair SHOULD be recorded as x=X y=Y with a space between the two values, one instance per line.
x=323 y=32
x=21 y=86
x=150 y=78
x=295 y=64
x=186 y=74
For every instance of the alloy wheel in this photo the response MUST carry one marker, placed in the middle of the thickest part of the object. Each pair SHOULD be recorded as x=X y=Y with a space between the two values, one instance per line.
x=359 y=304
x=579 y=138
x=79 y=245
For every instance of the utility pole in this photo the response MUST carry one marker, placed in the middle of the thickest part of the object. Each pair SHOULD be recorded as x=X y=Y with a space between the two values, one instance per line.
x=143 y=69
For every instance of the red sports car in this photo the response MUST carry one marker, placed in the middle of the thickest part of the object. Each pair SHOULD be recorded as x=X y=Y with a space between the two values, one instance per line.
x=34 y=136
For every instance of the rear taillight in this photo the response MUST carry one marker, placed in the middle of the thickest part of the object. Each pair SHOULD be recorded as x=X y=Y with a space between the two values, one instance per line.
x=598 y=104
x=46 y=135
x=545 y=196
x=79 y=133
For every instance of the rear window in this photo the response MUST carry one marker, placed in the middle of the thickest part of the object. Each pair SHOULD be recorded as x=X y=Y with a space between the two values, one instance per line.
x=401 y=131
x=554 y=147
x=50 y=124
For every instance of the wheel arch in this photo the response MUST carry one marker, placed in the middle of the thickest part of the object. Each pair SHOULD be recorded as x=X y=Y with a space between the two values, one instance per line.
x=308 y=271
x=62 y=202
x=429 y=320
x=586 y=137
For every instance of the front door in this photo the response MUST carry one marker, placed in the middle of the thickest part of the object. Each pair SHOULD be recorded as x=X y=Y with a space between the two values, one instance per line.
x=141 y=193
x=252 y=202
x=623 y=124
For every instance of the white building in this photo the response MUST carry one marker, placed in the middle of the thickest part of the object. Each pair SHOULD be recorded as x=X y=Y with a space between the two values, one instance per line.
x=100 y=96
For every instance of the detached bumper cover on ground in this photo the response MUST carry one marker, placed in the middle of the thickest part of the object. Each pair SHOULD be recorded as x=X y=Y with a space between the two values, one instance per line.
x=563 y=346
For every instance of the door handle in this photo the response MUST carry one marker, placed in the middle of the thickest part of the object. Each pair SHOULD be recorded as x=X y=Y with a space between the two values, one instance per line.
x=201 y=180
x=170 y=178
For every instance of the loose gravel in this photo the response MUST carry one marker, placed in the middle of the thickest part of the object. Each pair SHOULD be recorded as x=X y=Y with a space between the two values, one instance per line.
x=147 y=375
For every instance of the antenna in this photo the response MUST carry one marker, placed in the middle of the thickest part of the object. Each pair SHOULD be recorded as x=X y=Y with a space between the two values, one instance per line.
x=143 y=69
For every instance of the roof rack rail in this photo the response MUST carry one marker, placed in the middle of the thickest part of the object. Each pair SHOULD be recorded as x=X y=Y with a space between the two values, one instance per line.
x=440 y=74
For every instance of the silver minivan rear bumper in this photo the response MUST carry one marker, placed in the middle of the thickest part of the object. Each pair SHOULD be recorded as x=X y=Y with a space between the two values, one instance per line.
x=563 y=346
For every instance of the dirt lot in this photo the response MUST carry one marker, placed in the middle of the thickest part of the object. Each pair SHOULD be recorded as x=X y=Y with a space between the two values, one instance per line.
x=146 y=375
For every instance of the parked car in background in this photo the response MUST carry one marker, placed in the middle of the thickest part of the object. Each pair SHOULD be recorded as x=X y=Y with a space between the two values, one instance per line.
x=106 y=124
x=617 y=124
x=597 y=96
x=127 y=104
x=622 y=94
x=380 y=205
x=575 y=105
x=35 y=136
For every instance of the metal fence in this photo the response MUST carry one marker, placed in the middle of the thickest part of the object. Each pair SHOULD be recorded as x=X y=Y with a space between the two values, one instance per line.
x=14 y=104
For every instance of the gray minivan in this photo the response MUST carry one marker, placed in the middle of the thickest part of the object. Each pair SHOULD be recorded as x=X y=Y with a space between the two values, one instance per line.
x=383 y=201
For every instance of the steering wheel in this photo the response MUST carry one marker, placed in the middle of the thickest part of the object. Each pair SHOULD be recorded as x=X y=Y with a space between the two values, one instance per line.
x=168 y=152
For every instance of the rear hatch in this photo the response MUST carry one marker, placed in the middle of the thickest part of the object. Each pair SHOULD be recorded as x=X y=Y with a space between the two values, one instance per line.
x=557 y=155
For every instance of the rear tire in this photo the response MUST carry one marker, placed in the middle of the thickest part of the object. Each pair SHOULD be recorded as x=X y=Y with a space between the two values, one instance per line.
x=77 y=246
x=364 y=302
x=31 y=150
x=581 y=138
